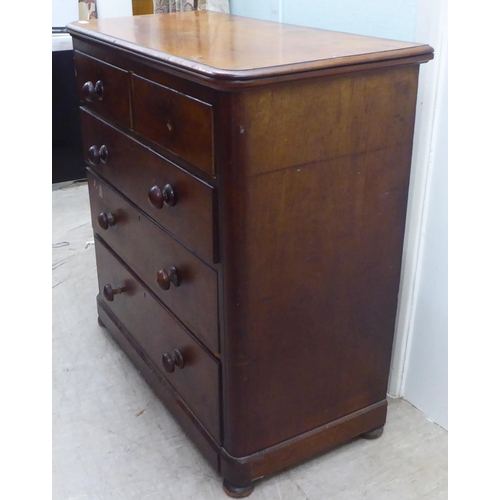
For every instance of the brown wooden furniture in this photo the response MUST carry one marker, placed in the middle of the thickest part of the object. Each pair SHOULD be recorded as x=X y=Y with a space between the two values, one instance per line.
x=248 y=184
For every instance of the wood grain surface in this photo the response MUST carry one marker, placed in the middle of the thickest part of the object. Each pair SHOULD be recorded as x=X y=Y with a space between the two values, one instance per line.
x=191 y=220
x=147 y=249
x=198 y=382
x=305 y=143
x=223 y=46
x=312 y=234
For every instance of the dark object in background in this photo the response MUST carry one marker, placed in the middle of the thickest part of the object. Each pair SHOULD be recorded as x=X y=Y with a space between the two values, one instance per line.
x=67 y=152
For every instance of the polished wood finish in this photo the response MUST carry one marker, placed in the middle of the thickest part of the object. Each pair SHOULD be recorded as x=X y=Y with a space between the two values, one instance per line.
x=114 y=101
x=321 y=243
x=214 y=47
x=109 y=292
x=105 y=220
x=103 y=154
x=166 y=278
x=157 y=196
x=258 y=190
x=198 y=381
x=171 y=361
x=205 y=443
x=191 y=220
x=88 y=91
x=148 y=249
x=93 y=155
x=92 y=92
x=174 y=121
x=242 y=471
x=96 y=155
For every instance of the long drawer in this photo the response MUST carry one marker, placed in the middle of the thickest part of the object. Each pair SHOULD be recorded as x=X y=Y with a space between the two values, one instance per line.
x=193 y=373
x=186 y=285
x=143 y=176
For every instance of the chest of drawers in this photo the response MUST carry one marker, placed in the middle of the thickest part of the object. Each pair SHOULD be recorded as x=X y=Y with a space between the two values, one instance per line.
x=248 y=185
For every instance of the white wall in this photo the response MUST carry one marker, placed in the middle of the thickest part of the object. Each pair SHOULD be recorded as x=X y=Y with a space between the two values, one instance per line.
x=420 y=360
x=385 y=18
x=268 y=10
x=66 y=11
x=114 y=8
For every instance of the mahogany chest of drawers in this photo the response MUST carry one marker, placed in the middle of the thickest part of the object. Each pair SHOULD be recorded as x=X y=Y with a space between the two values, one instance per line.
x=248 y=185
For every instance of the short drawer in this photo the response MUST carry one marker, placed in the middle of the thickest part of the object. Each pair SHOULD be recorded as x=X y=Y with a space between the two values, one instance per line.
x=186 y=285
x=179 y=123
x=192 y=372
x=103 y=88
x=138 y=172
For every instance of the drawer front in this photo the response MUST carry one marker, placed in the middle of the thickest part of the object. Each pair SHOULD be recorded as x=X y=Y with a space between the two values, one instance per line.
x=159 y=336
x=179 y=123
x=103 y=88
x=190 y=291
x=136 y=170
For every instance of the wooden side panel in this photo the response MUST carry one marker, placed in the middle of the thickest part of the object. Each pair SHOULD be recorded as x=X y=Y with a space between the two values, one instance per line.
x=312 y=247
x=305 y=122
x=311 y=443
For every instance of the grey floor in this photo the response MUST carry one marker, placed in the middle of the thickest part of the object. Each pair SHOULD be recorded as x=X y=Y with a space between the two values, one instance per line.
x=112 y=439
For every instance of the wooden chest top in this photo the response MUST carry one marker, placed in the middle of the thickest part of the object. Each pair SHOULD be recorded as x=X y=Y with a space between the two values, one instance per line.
x=216 y=46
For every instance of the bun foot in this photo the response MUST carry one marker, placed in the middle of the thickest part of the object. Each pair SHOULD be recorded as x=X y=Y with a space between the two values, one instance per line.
x=376 y=433
x=99 y=321
x=236 y=491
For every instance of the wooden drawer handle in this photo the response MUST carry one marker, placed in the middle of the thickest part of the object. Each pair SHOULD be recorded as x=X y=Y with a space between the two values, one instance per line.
x=93 y=155
x=170 y=361
x=158 y=196
x=166 y=278
x=109 y=292
x=105 y=220
x=90 y=91
x=99 y=90
x=104 y=153
x=96 y=154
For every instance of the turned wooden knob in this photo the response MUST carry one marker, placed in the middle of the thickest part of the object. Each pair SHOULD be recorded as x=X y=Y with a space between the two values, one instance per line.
x=99 y=89
x=109 y=292
x=157 y=196
x=93 y=155
x=89 y=91
x=170 y=361
x=105 y=220
x=96 y=154
x=104 y=153
x=166 y=278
